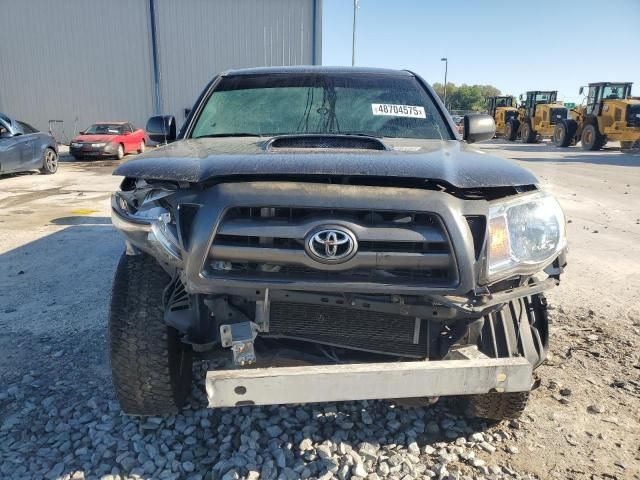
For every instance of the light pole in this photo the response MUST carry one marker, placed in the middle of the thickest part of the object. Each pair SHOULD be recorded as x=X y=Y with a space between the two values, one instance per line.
x=446 y=66
x=353 y=40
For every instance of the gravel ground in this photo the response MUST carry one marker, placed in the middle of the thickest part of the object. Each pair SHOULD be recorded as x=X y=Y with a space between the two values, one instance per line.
x=59 y=419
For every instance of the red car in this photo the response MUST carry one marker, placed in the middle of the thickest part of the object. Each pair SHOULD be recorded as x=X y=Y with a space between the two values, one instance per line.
x=109 y=139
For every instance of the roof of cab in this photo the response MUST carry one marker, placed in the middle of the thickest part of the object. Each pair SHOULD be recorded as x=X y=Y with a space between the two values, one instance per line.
x=316 y=69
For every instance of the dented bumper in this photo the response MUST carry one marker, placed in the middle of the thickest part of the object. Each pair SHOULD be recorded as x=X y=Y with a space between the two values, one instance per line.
x=465 y=372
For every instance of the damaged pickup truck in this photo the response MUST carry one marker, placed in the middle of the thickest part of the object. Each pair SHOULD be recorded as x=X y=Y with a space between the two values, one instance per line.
x=324 y=234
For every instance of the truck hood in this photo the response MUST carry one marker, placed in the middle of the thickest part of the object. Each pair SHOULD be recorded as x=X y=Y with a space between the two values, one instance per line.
x=450 y=161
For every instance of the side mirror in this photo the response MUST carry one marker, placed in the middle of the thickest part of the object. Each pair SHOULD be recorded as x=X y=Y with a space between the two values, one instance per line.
x=81 y=132
x=478 y=128
x=581 y=90
x=521 y=97
x=162 y=128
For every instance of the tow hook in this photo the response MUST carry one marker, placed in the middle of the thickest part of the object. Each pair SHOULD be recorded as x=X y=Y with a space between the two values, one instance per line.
x=240 y=337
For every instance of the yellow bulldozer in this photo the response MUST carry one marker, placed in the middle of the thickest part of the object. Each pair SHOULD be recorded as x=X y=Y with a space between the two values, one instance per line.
x=610 y=114
x=502 y=109
x=537 y=117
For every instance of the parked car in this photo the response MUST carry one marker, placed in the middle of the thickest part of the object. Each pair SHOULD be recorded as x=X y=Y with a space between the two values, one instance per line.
x=24 y=148
x=321 y=233
x=109 y=139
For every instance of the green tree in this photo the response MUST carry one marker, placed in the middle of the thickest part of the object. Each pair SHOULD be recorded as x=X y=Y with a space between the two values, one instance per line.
x=466 y=97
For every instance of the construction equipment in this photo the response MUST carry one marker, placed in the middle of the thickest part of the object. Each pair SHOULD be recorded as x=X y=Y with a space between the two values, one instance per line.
x=537 y=117
x=610 y=114
x=502 y=109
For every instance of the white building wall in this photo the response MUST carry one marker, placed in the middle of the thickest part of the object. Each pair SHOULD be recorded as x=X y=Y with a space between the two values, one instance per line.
x=87 y=60
x=196 y=43
x=83 y=61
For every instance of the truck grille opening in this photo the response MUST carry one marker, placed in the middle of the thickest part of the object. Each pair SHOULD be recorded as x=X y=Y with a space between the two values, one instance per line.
x=633 y=115
x=557 y=114
x=510 y=115
x=351 y=328
x=268 y=243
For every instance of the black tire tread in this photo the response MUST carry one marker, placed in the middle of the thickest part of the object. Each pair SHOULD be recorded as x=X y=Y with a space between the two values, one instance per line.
x=144 y=352
x=531 y=138
x=44 y=170
x=496 y=406
x=565 y=141
x=515 y=125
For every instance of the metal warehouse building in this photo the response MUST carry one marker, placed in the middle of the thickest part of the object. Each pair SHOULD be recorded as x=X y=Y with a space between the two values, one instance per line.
x=82 y=61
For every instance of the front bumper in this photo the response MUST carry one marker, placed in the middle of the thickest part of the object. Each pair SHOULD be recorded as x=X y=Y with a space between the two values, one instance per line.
x=465 y=372
x=109 y=150
x=466 y=296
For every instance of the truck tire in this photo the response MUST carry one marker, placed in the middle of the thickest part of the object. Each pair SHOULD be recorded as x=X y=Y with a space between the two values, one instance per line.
x=591 y=138
x=511 y=130
x=528 y=135
x=519 y=328
x=564 y=133
x=151 y=367
x=496 y=406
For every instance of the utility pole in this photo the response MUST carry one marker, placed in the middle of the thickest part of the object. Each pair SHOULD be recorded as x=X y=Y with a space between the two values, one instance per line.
x=353 y=40
x=446 y=66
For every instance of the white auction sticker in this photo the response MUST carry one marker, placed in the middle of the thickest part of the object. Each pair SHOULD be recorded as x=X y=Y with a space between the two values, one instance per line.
x=392 y=110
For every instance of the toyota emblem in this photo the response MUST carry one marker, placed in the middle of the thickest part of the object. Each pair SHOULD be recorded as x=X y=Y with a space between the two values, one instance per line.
x=331 y=245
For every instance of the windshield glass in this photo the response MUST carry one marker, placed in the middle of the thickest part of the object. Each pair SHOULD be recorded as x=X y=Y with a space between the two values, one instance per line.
x=503 y=102
x=545 y=97
x=612 y=92
x=104 y=129
x=280 y=104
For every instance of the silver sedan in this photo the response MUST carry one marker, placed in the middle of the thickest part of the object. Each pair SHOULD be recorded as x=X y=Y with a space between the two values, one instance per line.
x=24 y=148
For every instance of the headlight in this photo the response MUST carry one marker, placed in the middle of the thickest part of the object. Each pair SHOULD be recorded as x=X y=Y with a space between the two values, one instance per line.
x=524 y=235
x=98 y=145
x=76 y=144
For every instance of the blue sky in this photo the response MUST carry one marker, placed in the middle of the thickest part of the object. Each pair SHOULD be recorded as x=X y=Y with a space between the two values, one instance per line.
x=555 y=45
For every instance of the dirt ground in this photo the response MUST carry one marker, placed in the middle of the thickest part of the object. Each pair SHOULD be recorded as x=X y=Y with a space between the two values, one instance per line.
x=58 y=252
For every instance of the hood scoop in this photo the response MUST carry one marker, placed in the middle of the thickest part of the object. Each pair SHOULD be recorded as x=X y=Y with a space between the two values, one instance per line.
x=340 y=142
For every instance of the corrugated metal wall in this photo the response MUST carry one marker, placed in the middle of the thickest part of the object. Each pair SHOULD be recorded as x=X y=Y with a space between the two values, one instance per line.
x=92 y=59
x=86 y=59
x=198 y=42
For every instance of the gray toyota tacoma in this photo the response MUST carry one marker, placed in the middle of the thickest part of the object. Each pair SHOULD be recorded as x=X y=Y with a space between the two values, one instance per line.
x=324 y=234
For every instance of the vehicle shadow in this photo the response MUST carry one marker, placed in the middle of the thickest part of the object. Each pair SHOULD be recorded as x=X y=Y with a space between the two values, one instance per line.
x=54 y=293
x=81 y=220
x=550 y=154
x=19 y=174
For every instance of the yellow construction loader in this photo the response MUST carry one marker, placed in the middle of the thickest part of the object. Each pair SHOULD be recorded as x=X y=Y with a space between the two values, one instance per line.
x=537 y=117
x=502 y=109
x=610 y=114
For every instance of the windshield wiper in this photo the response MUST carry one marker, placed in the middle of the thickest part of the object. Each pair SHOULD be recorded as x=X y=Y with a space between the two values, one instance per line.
x=240 y=134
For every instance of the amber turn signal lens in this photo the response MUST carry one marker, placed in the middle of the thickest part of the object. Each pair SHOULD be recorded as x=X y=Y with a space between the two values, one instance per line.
x=498 y=239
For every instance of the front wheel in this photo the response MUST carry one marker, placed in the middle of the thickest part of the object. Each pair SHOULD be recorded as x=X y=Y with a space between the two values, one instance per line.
x=120 y=152
x=561 y=137
x=142 y=147
x=591 y=138
x=511 y=130
x=528 y=134
x=496 y=406
x=151 y=367
x=49 y=162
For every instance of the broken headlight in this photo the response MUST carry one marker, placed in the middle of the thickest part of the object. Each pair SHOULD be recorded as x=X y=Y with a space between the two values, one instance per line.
x=525 y=234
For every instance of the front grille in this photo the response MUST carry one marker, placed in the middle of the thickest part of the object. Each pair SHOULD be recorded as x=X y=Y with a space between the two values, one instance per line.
x=268 y=243
x=510 y=115
x=633 y=115
x=350 y=328
x=557 y=114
